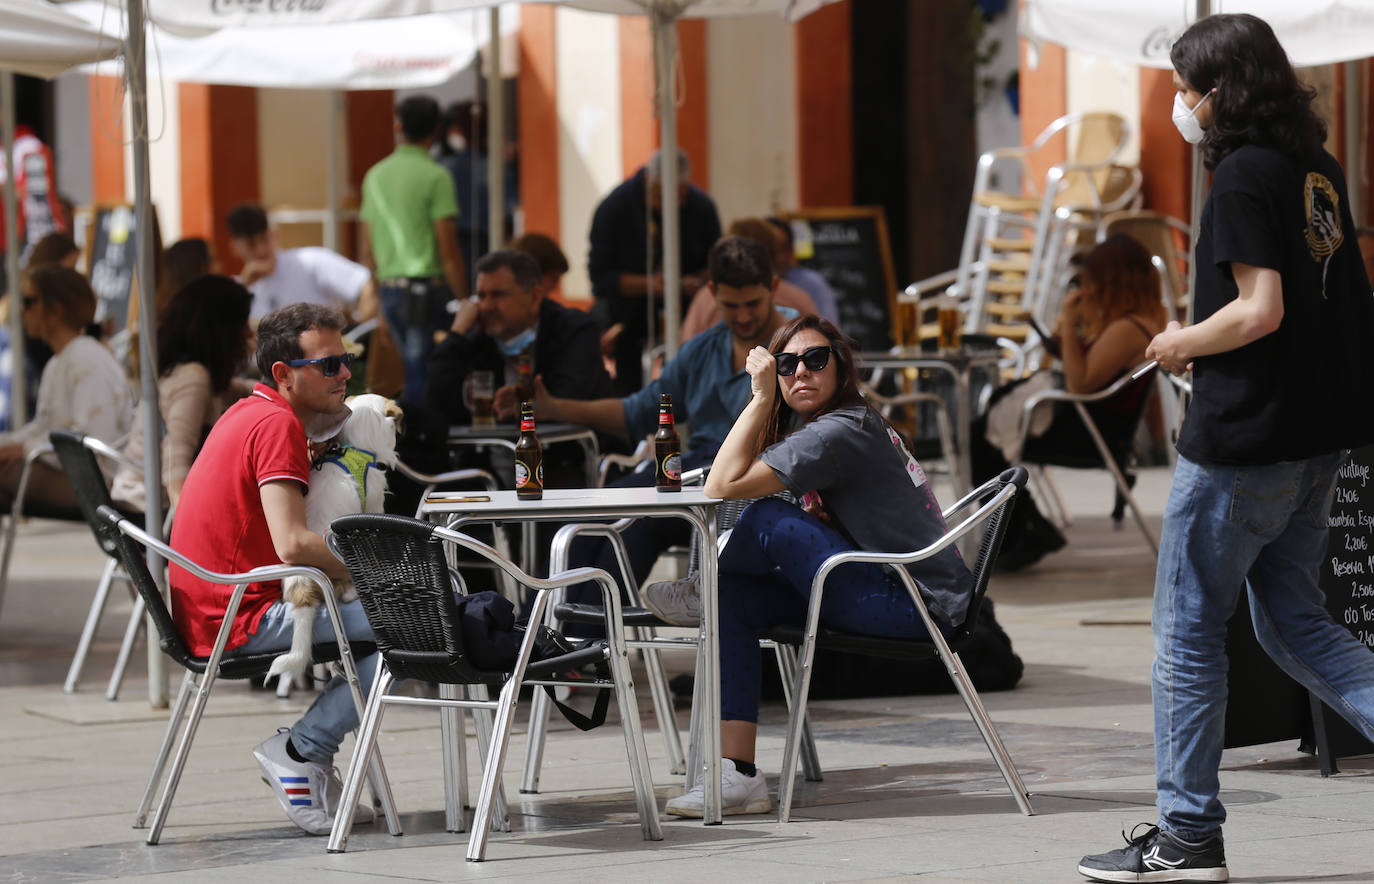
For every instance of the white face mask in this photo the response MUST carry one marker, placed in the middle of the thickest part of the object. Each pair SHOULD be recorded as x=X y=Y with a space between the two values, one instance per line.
x=1185 y=119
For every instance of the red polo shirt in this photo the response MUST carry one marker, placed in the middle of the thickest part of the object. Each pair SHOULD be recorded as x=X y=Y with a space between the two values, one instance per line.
x=219 y=522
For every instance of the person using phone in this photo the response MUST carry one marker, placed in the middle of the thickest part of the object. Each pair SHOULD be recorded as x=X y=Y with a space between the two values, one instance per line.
x=1101 y=333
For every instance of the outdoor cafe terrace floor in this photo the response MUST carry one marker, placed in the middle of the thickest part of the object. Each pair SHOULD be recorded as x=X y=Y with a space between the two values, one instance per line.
x=909 y=789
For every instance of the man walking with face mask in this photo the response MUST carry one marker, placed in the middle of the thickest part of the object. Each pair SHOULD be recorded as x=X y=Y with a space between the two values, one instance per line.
x=1282 y=383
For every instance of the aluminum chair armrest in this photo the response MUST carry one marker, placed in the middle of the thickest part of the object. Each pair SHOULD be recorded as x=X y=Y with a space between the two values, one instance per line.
x=628 y=461
x=487 y=479
x=109 y=452
x=921 y=287
x=1065 y=396
x=947 y=539
x=610 y=595
x=362 y=328
x=1184 y=385
x=902 y=398
x=256 y=575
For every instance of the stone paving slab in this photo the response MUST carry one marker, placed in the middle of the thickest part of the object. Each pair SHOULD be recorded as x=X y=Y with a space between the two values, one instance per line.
x=909 y=792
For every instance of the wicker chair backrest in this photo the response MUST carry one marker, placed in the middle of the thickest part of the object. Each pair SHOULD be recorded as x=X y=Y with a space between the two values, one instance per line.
x=402 y=577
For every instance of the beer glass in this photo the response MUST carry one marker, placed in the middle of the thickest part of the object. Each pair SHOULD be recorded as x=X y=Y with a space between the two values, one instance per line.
x=951 y=320
x=478 y=392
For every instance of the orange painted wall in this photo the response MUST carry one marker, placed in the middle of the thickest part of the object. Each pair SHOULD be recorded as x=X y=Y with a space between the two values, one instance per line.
x=1165 y=158
x=219 y=159
x=107 y=139
x=639 y=124
x=537 y=101
x=370 y=115
x=1044 y=99
x=825 y=107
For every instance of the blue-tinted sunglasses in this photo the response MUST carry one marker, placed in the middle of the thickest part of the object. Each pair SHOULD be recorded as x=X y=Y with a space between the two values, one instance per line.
x=329 y=365
x=814 y=358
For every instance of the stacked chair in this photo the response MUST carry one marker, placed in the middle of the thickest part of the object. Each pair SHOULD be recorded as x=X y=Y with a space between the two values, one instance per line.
x=1017 y=246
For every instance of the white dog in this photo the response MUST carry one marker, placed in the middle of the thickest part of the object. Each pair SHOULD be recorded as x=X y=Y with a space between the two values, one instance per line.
x=350 y=479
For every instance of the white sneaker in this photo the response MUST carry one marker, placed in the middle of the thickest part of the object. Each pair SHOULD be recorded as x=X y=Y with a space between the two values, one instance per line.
x=674 y=601
x=308 y=792
x=739 y=794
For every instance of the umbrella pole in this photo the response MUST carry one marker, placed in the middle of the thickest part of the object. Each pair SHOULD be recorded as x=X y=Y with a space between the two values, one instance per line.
x=136 y=74
x=496 y=140
x=1354 y=167
x=333 y=150
x=663 y=25
x=18 y=399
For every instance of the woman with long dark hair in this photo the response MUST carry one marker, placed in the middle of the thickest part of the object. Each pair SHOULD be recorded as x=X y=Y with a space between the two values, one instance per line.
x=807 y=429
x=202 y=342
x=1103 y=328
x=1282 y=383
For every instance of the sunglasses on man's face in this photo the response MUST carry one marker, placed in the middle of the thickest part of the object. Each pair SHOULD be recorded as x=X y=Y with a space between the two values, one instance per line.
x=814 y=358
x=329 y=365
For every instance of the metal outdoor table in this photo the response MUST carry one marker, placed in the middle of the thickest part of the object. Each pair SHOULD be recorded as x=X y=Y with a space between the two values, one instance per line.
x=594 y=504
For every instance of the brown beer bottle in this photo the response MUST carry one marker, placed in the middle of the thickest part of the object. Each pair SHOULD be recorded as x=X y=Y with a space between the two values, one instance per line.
x=529 y=457
x=524 y=376
x=667 y=449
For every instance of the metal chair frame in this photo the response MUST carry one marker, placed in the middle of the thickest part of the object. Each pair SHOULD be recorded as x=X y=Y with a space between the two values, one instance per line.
x=1003 y=490
x=1080 y=403
x=484 y=817
x=128 y=537
x=113 y=570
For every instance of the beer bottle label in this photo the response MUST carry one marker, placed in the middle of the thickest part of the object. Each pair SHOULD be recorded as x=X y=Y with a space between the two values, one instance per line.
x=527 y=425
x=672 y=467
x=522 y=474
x=665 y=417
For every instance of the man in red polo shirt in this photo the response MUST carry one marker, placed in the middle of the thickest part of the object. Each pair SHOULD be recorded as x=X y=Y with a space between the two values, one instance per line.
x=243 y=506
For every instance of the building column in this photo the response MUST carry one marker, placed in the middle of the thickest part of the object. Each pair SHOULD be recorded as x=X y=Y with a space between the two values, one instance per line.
x=219 y=160
x=825 y=107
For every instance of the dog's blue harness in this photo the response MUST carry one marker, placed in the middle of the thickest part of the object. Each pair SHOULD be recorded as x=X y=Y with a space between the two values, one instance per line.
x=356 y=462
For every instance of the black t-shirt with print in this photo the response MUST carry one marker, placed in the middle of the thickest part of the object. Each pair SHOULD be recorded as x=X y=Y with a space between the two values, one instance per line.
x=1308 y=388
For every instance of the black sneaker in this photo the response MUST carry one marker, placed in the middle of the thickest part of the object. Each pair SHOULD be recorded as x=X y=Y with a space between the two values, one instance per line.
x=1158 y=856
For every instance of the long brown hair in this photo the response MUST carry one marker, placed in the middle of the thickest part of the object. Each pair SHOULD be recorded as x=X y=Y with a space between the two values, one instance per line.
x=1118 y=280
x=846 y=377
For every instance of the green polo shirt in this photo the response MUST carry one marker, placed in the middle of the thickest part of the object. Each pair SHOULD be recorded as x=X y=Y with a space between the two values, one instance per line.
x=403 y=196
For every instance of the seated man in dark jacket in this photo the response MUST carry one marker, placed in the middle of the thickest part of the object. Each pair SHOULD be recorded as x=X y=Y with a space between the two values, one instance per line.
x=509 y=316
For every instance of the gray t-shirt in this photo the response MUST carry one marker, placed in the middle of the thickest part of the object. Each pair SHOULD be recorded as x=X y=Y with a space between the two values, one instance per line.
x=877 y=494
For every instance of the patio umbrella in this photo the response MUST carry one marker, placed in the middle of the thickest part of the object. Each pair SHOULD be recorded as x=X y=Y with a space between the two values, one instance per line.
x=662 y=14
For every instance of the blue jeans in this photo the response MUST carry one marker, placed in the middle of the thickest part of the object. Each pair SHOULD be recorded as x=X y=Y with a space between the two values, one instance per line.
x=765 y=578
x=329 y=719
x=1263 y=528
x=414 y=312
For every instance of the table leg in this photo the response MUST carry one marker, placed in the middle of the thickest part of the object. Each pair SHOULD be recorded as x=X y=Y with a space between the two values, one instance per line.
x=708 y=669
x=968 y=545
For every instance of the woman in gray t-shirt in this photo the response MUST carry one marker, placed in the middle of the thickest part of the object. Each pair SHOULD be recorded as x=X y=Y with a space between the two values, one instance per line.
x=861 y=489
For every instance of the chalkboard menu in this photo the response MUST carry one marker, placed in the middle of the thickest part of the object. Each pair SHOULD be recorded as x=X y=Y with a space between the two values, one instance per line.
x=1347 y=578
x=111 y=261
x=849 y=247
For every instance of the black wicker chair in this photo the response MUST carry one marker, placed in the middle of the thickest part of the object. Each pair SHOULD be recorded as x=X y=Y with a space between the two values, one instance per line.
x=130 y=543
x=401 y=571
x=992 y=502
x=77 y=453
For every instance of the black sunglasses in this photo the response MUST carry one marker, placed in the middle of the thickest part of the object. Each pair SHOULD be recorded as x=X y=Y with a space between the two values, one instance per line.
x=329 y=365
x=814 y=358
